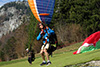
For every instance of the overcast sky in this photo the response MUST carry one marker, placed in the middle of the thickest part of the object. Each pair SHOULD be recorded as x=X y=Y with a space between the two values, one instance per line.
x=2 y=2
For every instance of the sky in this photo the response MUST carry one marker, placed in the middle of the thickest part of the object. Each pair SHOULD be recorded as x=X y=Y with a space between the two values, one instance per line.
x=2 y=2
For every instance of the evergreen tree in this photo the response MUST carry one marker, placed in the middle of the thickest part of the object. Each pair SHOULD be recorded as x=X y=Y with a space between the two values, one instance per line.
x=83 y=12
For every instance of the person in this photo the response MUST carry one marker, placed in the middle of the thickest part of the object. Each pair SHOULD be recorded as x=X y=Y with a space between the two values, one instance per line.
x=43 y=34
x=31 y=55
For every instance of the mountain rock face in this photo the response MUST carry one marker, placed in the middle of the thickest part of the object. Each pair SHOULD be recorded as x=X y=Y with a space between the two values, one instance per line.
x=12 y=15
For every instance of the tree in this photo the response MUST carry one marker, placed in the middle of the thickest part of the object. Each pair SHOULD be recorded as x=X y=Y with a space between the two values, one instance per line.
x=24 y=0
x=9 y=49
x=80 y=12
x=83 y=12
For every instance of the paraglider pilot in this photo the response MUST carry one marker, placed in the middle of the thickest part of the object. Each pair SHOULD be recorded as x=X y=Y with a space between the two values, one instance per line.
x=44 y=34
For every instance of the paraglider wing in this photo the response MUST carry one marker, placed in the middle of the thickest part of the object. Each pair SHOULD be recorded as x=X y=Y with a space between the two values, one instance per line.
x=42 y=9
x=91 y=43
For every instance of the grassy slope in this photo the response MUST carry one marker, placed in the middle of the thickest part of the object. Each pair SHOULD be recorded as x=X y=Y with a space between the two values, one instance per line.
x=62 y=57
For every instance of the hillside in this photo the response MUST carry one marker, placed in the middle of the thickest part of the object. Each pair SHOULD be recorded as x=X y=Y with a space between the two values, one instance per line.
x=12 y=15
x=61 y=58
x=14 y=19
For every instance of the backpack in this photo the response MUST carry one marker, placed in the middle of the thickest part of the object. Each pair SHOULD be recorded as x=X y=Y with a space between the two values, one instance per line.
x=53 y=43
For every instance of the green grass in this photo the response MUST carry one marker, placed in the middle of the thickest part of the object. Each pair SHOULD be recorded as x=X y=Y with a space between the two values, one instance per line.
x=61 y=58
x=13 y=61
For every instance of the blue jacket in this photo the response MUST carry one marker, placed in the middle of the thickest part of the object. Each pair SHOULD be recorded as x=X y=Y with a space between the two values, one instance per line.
x=50 y=31
x=40 y=35
x=45 y=36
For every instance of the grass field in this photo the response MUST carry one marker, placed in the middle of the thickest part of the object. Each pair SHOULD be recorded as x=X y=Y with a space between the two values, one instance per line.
x=61 y=58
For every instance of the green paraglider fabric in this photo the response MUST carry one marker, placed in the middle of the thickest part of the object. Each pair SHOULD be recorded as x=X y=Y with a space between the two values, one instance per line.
x=90 y=48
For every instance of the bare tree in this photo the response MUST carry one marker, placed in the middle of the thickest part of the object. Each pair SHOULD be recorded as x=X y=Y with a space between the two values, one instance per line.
x=69 y=33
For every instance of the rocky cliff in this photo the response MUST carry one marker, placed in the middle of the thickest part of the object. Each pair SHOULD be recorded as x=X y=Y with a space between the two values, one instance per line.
x=12 y=15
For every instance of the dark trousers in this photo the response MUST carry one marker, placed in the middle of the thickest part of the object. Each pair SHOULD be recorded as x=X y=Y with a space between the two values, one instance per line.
x=30 y=59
